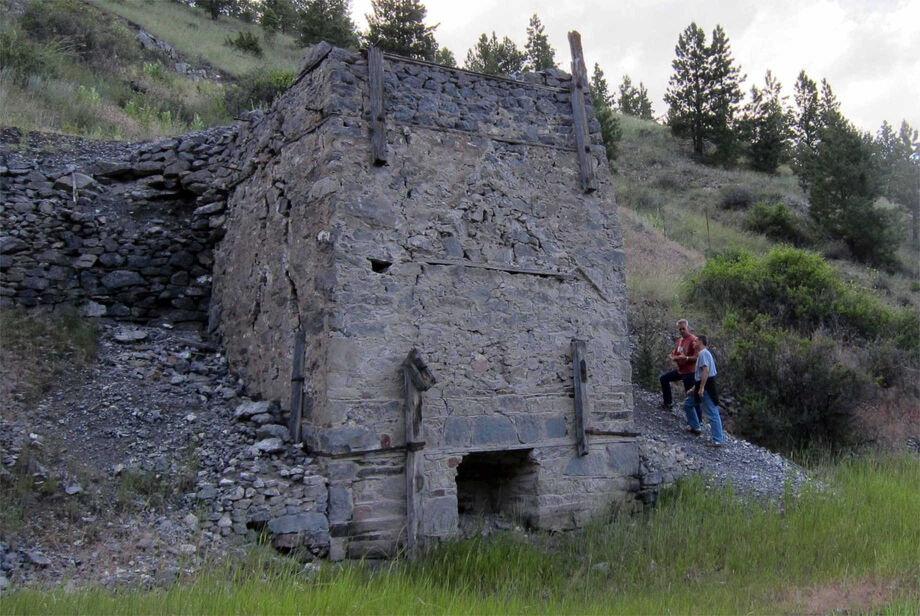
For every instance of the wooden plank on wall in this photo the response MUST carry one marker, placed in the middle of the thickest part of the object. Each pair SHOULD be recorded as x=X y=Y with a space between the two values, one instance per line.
x=297 y=387
x=580 y=376
x=578 y=89
x=417 y=378
x=378 y=115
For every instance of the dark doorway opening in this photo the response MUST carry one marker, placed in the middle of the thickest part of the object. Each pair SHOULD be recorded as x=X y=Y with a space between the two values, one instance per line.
x=496 y=488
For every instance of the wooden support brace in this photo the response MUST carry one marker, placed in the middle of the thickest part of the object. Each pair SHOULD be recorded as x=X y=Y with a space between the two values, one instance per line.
x=378 y=115
x=578 y=88
x=417 y=378
x=580 y=375
x=297 y=387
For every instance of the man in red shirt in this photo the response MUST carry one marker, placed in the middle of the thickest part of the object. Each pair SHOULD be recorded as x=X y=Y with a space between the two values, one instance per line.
x=684 y=356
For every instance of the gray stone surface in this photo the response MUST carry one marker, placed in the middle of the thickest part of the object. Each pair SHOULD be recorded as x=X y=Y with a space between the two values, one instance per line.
x=299 y=523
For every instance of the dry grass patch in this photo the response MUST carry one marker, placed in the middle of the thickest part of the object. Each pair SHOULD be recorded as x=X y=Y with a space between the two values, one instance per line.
x=36 y=348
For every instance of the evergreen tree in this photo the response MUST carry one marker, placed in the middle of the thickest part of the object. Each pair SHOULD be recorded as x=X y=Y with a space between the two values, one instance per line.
x=724 y=79
x=600 y=96
x=899 y=158
x=611 y=132
x=445 y=56
x=540 y=55
x=842 y=177
x=808 y=116
x=327 y=20
x=634 y=101
x=687 y=92
x=494 y=57
x=398 y=26
x=704 y=91
x=765 y=125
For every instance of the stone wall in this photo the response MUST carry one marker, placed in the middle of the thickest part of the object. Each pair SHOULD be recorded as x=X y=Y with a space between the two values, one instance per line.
x=125 y=238
x=474 y=244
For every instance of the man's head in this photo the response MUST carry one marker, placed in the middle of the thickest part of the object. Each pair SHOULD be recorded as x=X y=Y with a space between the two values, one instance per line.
x=702 y=340
x=683 y=327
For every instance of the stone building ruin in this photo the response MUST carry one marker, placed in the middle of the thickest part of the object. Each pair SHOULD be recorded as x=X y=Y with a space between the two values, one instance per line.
x=414 y=241
x=422 y=265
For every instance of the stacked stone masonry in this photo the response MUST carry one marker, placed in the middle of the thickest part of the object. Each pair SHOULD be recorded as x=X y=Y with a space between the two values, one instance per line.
x=130 y=239
x=476 y=245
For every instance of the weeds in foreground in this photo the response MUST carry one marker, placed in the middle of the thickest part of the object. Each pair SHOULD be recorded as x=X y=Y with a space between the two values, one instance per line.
x=697 y=552
x=36 y=346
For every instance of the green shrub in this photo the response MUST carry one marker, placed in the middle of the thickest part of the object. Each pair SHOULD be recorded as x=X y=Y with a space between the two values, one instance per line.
x=795 y=391
x=86 y=32
x=799 y=290
x=777 y=222
x=611 y=132
x=736 y=198
x=246 y=42
x=257 y=89
x=21 y=58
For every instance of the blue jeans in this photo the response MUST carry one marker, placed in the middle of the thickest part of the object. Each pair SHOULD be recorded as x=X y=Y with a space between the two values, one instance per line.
x=712 y=413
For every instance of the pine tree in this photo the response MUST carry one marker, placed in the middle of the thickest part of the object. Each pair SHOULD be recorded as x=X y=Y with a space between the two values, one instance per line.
x=704 y=91
x=445 y=56
x=611 y=132
x=327 y=20
x=494 y=57
x=842 y=177
x=600 y=96
x=634 y=101
x=765 y=125
x=398 y=26
x=540 y=55
x=899 y=159
x=687 y=92
x=725 y=94
x=808 y=116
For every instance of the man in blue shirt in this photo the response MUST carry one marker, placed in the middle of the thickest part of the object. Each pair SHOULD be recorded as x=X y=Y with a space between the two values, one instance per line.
x=704 y=391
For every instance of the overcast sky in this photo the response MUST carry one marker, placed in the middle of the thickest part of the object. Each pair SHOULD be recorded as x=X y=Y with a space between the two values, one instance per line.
x=869 y=50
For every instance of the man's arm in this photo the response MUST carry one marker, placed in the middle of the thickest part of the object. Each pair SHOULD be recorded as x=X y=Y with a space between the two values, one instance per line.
x=693 y=351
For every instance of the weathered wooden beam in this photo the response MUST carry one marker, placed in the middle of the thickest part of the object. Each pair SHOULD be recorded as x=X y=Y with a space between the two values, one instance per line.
x=580 y=375
x=378 y=115
x=500 y=268
x=314 y=56
x=579 y=87
x=417 y=378
x=296 y=419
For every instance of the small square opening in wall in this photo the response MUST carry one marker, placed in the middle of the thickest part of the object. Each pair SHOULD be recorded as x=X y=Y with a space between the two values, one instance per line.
x=495 y=485
x=379 y=265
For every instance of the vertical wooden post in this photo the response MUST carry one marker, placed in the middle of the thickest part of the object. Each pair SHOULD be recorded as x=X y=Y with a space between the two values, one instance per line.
x=378 y=115
x=580 y=376
x=417 y=378
x=297 y=387
x=578 y=88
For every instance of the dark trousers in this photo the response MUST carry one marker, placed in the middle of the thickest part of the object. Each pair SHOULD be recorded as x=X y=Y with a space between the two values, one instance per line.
x=667 y=378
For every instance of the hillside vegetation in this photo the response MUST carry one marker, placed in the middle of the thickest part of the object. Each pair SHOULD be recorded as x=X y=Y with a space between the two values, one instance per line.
x=71 y=67
x=819 y=351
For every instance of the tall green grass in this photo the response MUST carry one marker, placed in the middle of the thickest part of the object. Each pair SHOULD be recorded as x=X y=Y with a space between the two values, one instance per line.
x=697 y=552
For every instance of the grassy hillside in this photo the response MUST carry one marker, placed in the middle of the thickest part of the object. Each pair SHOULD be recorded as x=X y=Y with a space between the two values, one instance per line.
x=77 y=68
x=736 y=253
x=201 y=39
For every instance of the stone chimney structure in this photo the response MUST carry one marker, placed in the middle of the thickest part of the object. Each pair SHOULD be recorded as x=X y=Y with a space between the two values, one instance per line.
x=424 y=266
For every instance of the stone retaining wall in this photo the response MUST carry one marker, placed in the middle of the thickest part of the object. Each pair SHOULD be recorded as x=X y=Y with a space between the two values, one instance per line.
x=130 y=239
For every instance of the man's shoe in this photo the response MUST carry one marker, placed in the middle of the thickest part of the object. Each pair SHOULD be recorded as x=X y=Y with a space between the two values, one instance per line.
x=692 y=431
x=713 y=444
